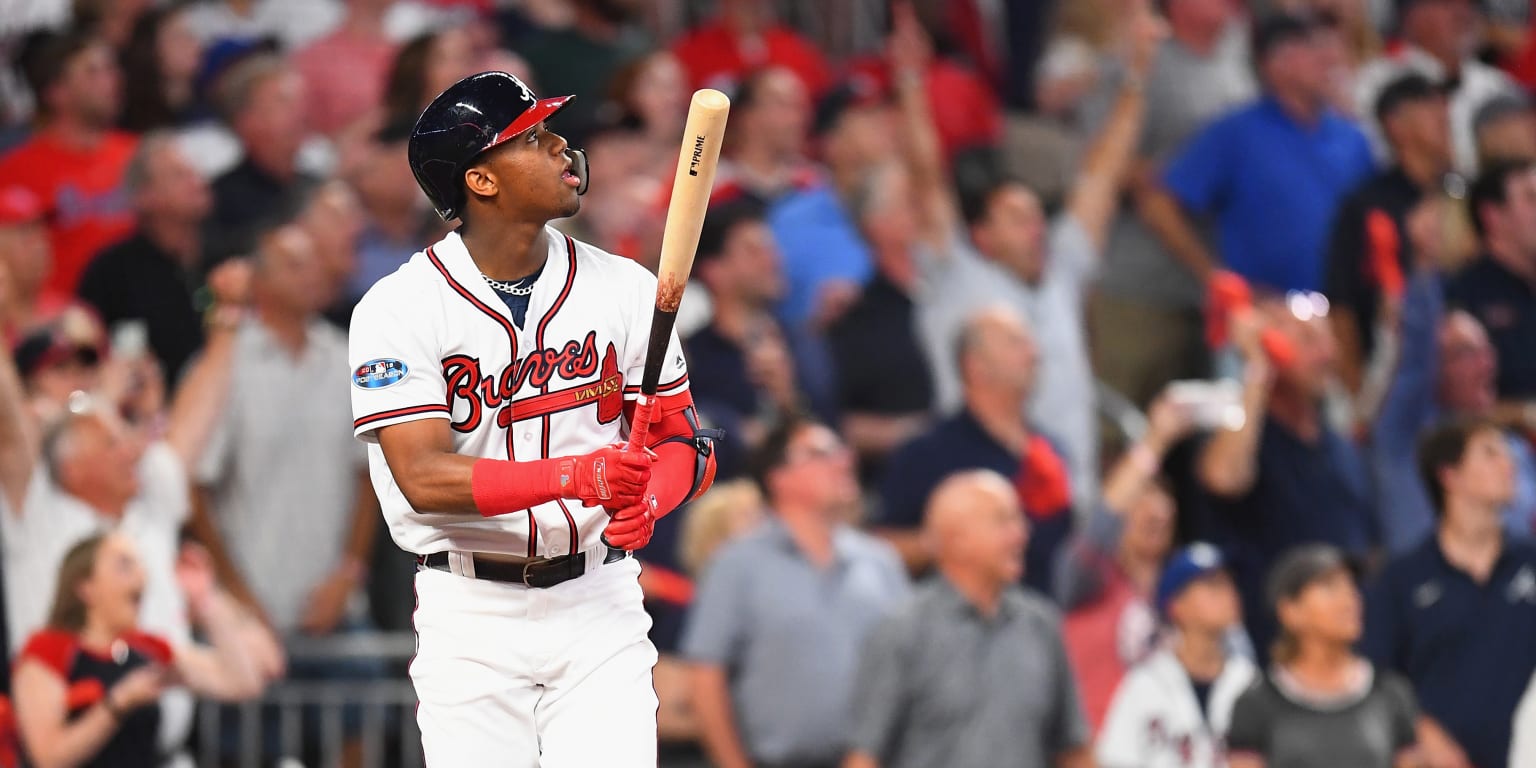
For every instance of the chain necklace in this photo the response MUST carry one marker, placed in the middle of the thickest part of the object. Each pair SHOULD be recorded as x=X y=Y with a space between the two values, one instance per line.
x=510 y=288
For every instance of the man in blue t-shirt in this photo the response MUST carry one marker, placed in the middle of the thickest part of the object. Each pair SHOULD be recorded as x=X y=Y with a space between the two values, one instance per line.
x=1271 y=174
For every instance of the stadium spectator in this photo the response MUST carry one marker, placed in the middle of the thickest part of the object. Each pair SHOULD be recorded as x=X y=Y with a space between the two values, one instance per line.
x=1412 y=114
x=92 y=471
x=395 y=218
x=88 y=685
x=921 y=701
x=262 y=99
x=25 y=258
x=1146 y=316
x=745 y=37
x=331 y=215
x=884 y=389
x=1173 y=708
x=1459 y=607
x=287 y=481
x=74 y=161
x=743 y=369
x=583 y=58
x=782 y=612
x=1105 y=577
x=764 y=155
x=997 y=358
x=149 y=277
x=424 y=67
x=1446 y=367
x=1284 y=477
x=160 y=67
x=826 y=256
x=1320 y=705
x=1270 y=174
x=995 y=246
x=1439 y=39
x=293 y=23
x=112 y=21
x=344 y=71
x=1499 y=287
x=1505 y=129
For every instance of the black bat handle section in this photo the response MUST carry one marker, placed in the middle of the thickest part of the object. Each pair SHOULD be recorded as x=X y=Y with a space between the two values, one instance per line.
x=662 y=323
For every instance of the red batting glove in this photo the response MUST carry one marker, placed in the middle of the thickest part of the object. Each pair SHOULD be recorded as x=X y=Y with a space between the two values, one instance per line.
x=608 y=477
x=631 y=527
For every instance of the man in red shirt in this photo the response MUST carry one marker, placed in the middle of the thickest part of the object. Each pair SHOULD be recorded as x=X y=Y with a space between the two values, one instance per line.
x=74 y=162
x=745 y=37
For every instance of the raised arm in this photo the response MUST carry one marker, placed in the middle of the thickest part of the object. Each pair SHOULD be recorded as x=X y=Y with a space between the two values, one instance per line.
x=1095 y=197
x=1228 y=463
x=18 y=437
x=204 y=391
x=909 y=50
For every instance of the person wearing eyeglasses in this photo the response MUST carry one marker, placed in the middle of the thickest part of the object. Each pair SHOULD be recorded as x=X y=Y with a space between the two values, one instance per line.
x=1284 y=477
x=780 y=613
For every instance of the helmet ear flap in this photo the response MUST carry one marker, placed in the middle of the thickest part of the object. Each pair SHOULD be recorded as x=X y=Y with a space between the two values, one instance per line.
x=579 y=168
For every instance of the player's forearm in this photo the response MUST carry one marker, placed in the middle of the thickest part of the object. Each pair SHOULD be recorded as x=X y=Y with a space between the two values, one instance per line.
x=717 y=723
x=199 y=403
x=1096 y=195
x=1162 y=214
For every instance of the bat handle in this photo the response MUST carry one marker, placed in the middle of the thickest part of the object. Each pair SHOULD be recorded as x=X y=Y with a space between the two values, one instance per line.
x=639 y=432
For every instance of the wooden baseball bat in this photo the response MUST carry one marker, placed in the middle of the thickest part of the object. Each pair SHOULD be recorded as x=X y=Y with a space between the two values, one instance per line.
x=691 y=186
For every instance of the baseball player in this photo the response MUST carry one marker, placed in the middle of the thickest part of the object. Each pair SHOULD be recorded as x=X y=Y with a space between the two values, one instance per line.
x=495 y=376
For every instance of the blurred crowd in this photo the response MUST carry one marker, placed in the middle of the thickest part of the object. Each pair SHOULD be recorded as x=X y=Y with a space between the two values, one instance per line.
x=1105 y=382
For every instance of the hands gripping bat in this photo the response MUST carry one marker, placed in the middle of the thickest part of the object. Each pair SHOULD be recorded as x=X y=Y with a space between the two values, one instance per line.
x=696 y=164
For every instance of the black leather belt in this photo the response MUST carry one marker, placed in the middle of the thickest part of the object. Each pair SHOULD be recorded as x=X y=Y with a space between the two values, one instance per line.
x=537 y=572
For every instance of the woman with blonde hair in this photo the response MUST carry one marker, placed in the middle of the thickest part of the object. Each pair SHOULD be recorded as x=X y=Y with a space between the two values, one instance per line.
x=87 y=686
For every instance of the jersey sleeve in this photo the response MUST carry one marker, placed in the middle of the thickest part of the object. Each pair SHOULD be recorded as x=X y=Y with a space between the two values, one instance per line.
x=395 y=367
x=674 y=368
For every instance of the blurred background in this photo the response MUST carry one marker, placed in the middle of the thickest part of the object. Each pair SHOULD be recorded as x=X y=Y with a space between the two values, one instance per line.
x=1177 y=271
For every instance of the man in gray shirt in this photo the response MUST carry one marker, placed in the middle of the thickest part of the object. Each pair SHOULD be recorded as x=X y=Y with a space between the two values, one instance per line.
x=998 y=248
x=775 y=630
x=971 y=673
x=1146 y=318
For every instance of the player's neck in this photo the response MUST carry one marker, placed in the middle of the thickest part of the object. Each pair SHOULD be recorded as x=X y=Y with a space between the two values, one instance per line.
x=506 y=250
x=1201 y=654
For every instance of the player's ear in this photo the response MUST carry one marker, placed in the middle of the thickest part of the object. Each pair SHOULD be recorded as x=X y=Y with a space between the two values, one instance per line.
x=480 y=180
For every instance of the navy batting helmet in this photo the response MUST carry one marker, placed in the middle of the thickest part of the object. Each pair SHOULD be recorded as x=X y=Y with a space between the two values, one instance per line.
x=472 y=116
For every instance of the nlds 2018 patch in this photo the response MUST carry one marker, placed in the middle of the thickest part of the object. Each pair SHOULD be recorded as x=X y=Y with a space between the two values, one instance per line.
x=378 y=374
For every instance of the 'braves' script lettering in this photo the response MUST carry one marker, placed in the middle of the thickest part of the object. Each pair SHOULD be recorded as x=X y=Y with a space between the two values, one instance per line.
x=484 y=392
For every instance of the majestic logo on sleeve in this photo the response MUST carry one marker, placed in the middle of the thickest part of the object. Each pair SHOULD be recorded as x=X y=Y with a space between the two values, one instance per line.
x=576 y=360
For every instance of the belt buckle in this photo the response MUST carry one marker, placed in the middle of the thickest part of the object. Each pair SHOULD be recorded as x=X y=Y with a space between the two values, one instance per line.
x=529 y=575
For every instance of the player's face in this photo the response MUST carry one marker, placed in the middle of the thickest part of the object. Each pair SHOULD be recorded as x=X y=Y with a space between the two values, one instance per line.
x=174 y=189
x=1520 y=212
x=753 y=257
x=1208 y=604
x=92 y=85
x=116 y=587
x=1486 y=474
x=1013 y=231
x=1149 y=525
x=1468 y=366
x=533 y=178
x=1328 y=609
x=25 y=256
x=818 y=470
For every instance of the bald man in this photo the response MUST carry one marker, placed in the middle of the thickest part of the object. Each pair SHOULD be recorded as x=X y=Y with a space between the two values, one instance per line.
x=972 y=672
x=996 y=356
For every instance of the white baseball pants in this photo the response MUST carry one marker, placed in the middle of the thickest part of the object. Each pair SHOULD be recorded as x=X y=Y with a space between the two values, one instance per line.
x=535 y=678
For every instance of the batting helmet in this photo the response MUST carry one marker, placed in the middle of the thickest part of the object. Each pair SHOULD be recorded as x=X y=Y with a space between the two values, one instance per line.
x=472 y=116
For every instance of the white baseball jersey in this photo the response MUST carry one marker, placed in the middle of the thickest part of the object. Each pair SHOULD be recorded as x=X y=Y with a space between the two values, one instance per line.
x=1154 y=720
x=433 y=341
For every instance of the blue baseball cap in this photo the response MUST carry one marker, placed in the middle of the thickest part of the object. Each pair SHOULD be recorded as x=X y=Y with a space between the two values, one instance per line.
x=1186 y=565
